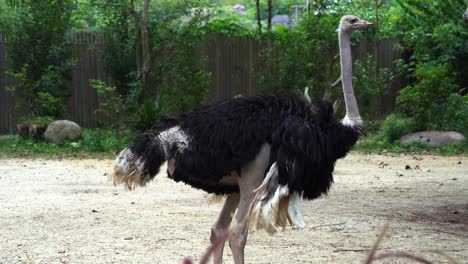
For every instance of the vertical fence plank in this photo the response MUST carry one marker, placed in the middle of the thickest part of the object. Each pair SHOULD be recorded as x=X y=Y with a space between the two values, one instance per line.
x=7 y=102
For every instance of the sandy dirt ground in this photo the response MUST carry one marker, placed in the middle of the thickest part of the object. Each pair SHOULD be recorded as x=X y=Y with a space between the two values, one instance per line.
x=65 y=211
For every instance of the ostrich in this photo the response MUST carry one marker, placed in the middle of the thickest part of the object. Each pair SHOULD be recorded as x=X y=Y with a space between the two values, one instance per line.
x=263 y=152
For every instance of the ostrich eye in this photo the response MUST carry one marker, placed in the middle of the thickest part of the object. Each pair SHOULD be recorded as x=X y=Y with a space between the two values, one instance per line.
x=353 y=20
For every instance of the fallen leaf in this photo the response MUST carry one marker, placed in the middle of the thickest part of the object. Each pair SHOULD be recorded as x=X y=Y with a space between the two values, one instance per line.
x=382 y=164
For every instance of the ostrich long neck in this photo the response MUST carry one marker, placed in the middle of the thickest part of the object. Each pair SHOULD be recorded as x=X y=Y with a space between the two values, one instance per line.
x=352 y=112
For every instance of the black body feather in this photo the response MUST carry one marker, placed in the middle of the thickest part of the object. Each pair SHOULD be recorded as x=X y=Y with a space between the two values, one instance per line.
x=305 y=141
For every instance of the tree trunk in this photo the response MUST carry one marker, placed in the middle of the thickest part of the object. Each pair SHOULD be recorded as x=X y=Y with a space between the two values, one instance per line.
x=376 y=40
x=145 y=51
x=136 y=20
x=259 y=19
x=269 y=16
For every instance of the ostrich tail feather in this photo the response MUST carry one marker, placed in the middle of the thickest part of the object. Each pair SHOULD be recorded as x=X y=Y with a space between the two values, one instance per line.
x=128 y=170
x=295 y=211
x=273 y=205
x=139 y=163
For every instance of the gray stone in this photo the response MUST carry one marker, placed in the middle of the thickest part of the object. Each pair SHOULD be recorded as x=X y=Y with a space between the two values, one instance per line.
x=239 y=9
x=283 y=20
x=433 y=138
x=61 y=130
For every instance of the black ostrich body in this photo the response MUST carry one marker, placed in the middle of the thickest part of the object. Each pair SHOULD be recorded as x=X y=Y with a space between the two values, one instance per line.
x=305 y=141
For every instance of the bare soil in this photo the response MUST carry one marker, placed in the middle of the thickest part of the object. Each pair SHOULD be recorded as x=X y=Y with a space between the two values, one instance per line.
x=65 y=211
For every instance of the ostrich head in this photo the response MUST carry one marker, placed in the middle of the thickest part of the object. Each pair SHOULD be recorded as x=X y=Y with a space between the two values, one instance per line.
x=351 y=23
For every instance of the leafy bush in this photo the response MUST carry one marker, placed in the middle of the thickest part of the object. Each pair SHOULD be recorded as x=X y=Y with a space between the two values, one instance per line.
x=178 y=70
x=151 y=111
x=40 y=120
x=95 y=142
x=113 y=106
x=38 y=55
x=422 y=99
x=104 y=140
x=453 y=114
x=394 y=127
x=368 y=86
x=230 y=26
x=434 y=69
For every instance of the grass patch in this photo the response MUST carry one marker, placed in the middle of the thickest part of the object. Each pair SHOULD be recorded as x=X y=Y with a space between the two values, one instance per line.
x=95 y=143
x=374 y=143
x=103 y=143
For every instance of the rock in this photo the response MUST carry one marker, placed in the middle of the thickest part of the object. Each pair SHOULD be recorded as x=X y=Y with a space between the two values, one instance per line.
x=29 y=130
x=239 y=9
x=284 y=20
x=62 y=130
x=433 y=138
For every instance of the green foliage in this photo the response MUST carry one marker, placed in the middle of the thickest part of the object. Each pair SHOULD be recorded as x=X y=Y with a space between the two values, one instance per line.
x=104 y=140
x=178 y=67
x=368 y=86
x=375 y=144
x=293 y=59
x=37 y=52
x=438 y=38
x=113 y=106
x=230 y=26
x=40 y=120
x=151 y=111
x=394 y=127
x=94 y=143
x=30 y=99
x=424 y=99
x=454 y=114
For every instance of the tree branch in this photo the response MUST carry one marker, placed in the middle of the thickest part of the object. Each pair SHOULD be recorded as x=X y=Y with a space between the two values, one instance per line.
x=337 y=56
x=335 y=83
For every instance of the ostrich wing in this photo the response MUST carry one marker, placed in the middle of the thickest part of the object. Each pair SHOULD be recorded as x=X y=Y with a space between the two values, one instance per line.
x=302 y=154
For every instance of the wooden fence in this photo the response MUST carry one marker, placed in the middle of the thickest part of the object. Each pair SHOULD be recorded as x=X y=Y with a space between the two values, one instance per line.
x=387 y=54
x=7 y=102
x=87 y=52
x=232 y=63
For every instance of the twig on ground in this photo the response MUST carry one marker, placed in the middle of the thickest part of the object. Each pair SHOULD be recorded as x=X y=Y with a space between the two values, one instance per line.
x=312 y=227
x=351 y=249
x=372 y=252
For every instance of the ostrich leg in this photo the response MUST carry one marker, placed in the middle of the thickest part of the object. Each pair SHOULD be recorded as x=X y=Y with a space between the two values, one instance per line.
x=251 y=178
x=221 y=226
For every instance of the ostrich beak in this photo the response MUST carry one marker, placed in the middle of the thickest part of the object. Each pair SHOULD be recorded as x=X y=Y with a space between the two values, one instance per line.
x=363 y=24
